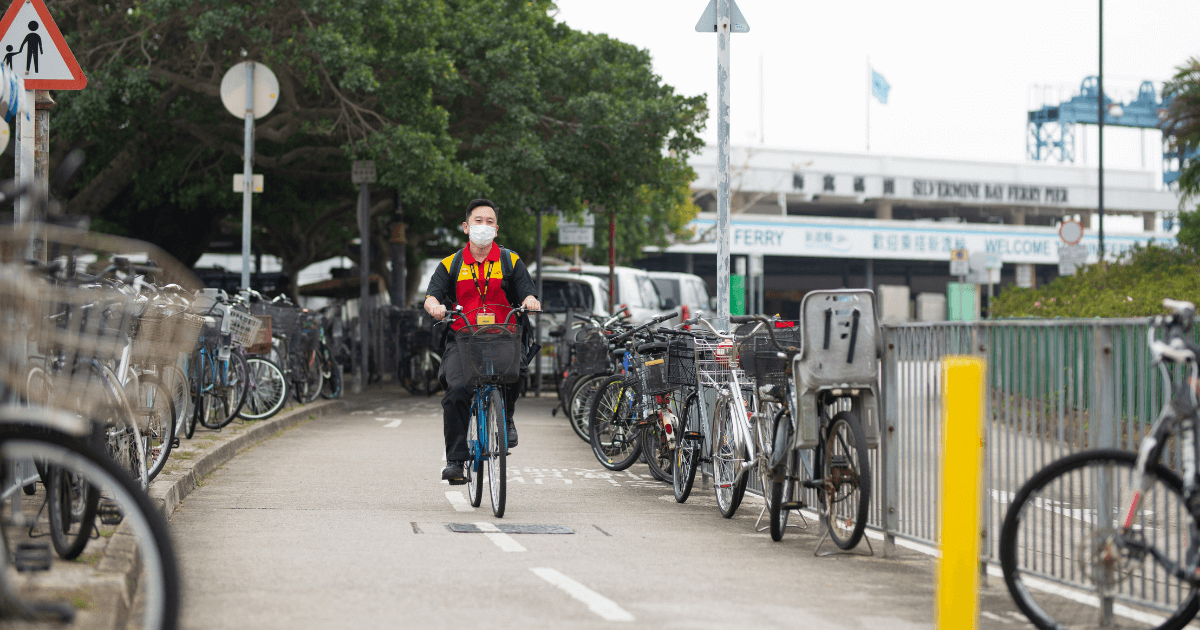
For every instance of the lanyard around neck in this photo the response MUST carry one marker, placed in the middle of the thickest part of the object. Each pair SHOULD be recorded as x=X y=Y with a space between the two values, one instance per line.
x=487 y=274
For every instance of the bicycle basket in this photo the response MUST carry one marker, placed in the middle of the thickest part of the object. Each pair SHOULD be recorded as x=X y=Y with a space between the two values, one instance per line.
x=160 y=337
x=591 y=353
x=262 y=341
x=681 y=362
x=492 y=353
x=285 y=320
x=243 y=327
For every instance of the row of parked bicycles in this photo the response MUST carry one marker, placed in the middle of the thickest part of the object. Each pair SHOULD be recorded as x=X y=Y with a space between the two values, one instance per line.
x=790 y=406
x=110 y=354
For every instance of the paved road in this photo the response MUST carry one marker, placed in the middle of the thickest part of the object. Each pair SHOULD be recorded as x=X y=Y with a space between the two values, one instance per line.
x=342 y=523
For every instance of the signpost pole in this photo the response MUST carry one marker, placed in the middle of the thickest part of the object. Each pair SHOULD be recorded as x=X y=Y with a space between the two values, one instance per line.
x=364 y=291
x=537 y=317
x=247 y=174
x=26 y=210
x=612 y=260
x=1100 y=127
x=723 y=169
x=41 y=151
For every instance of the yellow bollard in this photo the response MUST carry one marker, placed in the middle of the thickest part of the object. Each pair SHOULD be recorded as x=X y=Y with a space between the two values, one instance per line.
x=962 y=427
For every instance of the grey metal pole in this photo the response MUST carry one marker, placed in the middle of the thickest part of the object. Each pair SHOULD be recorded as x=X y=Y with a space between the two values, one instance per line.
x=1100 y=125
x=723 y=170
x=26 y=208
x=537 y=318
x=364 y=292
x=399 y=259
x=247 y=174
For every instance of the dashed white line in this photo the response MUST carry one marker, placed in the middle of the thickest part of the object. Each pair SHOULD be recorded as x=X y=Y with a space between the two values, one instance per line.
x=597 y=603
x=502 y=540
x=459 y=501
x=393 y=424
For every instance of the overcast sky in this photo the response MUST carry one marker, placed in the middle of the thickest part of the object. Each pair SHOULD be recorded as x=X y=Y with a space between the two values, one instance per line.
x=962 y=72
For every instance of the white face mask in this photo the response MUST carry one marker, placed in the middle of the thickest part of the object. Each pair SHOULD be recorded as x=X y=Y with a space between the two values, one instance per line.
x=482 y=235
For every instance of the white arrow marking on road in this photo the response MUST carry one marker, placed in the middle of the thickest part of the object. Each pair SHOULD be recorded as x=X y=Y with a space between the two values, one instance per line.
x=502 y=540
x=459 y=502
x=597 y=603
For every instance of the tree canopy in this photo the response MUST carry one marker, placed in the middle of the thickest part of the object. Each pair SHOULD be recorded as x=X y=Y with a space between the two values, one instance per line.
x=453 y=99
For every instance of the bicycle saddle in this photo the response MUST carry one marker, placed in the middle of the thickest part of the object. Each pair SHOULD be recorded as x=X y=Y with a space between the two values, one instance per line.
x=653 y=346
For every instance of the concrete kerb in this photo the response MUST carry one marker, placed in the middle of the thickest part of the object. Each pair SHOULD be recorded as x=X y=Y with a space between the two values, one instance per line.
x=183 y=476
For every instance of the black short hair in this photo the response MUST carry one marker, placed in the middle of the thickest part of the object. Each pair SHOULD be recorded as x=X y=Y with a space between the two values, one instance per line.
x=478 y=203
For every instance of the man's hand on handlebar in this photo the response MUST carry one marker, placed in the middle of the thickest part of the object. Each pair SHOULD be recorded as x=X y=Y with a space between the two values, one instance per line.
x=436 y=309
x=531 y=303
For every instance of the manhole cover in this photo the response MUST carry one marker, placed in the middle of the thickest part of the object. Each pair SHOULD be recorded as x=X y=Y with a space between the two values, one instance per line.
x=511 y=528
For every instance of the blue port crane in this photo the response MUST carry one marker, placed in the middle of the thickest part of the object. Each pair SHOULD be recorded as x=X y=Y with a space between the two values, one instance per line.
x=1051 y=133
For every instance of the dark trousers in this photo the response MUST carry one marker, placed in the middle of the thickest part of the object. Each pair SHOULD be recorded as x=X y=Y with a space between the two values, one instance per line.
x=456 y=403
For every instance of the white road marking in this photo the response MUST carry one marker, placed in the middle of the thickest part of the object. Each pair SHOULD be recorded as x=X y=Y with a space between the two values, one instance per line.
x=993 y=616
x=597 y=603
x=393 y=424
x=459 y=501
x=502 y=540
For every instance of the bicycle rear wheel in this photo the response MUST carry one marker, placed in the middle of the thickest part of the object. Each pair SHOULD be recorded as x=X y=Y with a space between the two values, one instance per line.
x=612 y=424
x=497 y=451
x=783 y=474
x=267 y=391
x=332 y=371
x=846 y=480
x=687 y=449
x=1057 y=540
x=226 y=391
x=658 y=451
x=729 y=480
x=71 y=506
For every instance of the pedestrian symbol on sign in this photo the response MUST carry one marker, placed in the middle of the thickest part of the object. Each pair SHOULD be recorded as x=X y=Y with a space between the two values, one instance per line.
x=33 y=43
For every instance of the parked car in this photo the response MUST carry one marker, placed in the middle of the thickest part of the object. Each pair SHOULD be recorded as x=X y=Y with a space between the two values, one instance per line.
x=634 y=289
x=684 y=291
x=563 y=292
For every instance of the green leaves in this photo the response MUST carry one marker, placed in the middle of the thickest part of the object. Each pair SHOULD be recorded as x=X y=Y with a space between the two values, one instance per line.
x=1183 y=122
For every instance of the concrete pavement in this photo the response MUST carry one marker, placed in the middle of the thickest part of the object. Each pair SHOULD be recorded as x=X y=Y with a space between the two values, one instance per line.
x=341 y=522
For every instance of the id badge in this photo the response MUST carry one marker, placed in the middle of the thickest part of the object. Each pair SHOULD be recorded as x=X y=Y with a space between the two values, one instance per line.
x=485 y=318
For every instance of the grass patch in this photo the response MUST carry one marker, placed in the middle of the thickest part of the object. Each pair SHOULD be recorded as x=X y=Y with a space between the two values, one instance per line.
x=184 y=455
x=81 y=602
x=107 y=532
x=89 y=559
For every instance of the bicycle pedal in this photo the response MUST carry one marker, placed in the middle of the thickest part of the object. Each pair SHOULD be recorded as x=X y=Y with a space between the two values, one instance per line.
x=693 y=436
x=109 y=513
x=31 y=557
x=794 y=505
x=175 y=443
x=813 y=483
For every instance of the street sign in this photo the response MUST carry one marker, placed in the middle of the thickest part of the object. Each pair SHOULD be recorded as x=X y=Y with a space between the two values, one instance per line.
x=959 y=262
x=985 y=269
x=239 y=181
x=1070 y=258
x=589 y=220
x=573 y=235
x=233 y=90
x=1025 y=276
x=1071 y=232
x=362 y=172
x=35 y=48
x=708 y=21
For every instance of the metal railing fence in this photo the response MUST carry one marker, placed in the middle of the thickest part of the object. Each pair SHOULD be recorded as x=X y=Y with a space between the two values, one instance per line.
x=1054 y=387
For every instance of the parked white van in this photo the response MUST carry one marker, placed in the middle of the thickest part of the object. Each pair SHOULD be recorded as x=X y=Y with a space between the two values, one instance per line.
x=563 y=292
x=634 y=289
x=684 y=291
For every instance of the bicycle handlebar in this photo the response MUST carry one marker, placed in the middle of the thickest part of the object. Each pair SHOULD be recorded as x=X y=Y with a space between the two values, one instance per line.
x=654 y=322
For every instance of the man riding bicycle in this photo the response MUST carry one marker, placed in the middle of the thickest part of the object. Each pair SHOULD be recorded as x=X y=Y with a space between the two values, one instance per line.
x=487 y=281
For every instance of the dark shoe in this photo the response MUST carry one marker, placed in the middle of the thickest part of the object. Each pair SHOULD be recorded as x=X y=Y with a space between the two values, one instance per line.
x=512 y=435
x=453 y=472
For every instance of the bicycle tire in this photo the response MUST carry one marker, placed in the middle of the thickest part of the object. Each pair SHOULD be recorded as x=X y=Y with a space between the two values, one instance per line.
x=70 y=502
x=783 y=475
x=497 y=452
x=687 y=452
x=316 y=378
x=611 y=425
x=159 y=413
x=1164 y=498
x=332 y=389
x=230 y=395
x=179 y=387
x=159 y=581
x=580 y=405
x=195 y=384
x=657 y=451
x=729 y=480
x=473 y=468
x=266 y=392
x=845 y=514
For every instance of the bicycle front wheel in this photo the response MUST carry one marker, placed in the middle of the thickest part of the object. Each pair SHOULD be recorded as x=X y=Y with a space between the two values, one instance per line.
x=71 y=507
x=658 y=451
x=473 y=468
x=497 y=451
x=580 y=404
x=267 y=390
x=156 y=411
x=1078 y=528
x=729 y=480
x=612 y=424
x=332 y=371
x=846 y=480
x=687 y=449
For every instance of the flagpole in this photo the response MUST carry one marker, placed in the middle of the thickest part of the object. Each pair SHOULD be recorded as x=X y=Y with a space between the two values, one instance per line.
x=868 y=104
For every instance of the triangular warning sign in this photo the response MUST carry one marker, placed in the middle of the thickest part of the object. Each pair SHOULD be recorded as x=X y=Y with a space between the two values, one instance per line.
x=32 y=45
